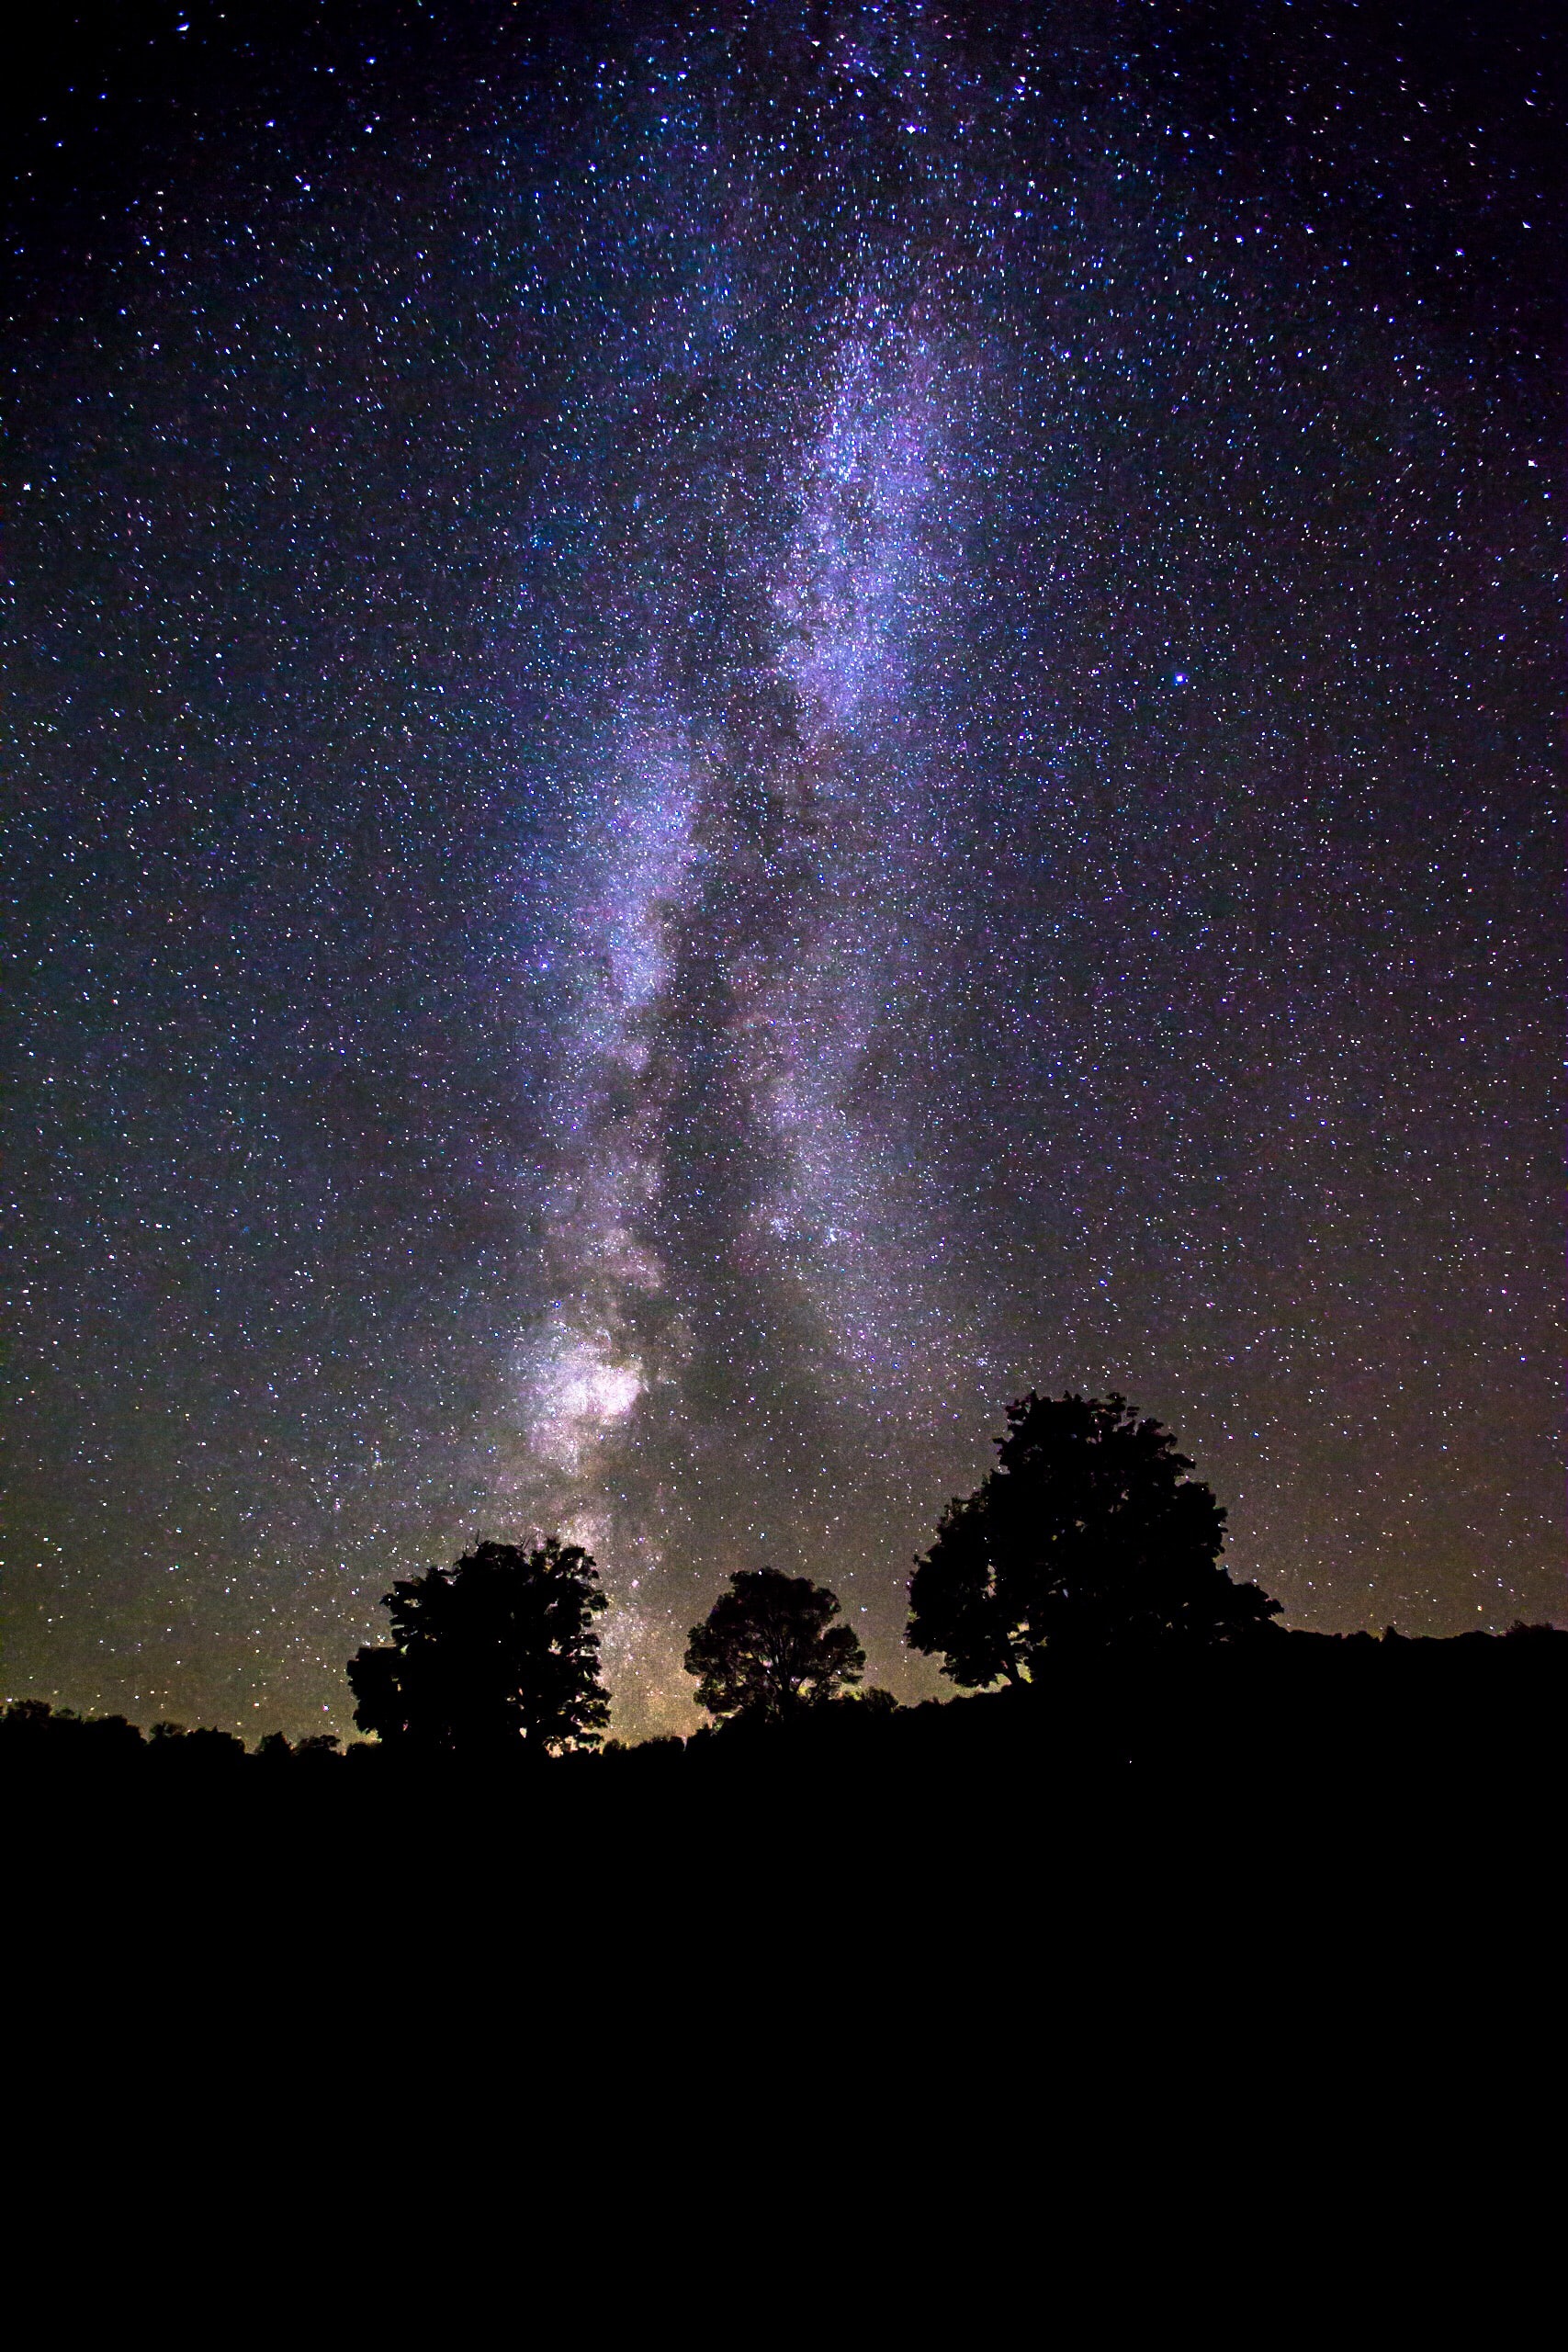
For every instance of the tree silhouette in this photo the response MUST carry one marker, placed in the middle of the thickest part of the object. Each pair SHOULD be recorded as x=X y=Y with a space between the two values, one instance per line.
x=497 y=1651
x=769 y=1647
x=1086 y=1535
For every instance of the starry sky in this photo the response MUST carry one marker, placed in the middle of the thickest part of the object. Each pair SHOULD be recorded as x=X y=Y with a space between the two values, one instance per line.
x=732 y=730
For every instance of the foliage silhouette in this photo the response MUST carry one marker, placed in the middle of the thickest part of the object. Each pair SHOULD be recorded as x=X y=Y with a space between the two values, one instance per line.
x=31 y=1728
x=315 y=1748
x=768 y=1649
x=1089 y=1535
x=494 y=1655
x=194 y=1751
x=877 y=1702
x=1423 y=1730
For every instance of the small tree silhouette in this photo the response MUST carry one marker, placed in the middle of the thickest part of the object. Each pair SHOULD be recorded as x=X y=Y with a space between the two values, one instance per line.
x=497 y=1650
x=1087 y=1534
x=769 y=1647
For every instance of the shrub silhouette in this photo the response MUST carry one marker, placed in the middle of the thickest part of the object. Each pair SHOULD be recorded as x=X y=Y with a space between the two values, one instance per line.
x=195 y=1752
x=769 y=1647
x=316 y=1747
x=1088 y=1536
x=493 y=1655
x=32 y=1730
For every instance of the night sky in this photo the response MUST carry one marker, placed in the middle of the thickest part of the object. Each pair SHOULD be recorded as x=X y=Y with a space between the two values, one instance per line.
x=732 y=729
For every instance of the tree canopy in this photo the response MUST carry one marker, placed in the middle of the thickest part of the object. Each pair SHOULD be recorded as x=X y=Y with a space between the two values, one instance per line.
x=769 y=1647
x=497 y=1651
x=1089 y=1534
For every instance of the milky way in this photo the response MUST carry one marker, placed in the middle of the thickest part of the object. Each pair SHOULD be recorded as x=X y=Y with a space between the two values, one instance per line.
x=734 y=736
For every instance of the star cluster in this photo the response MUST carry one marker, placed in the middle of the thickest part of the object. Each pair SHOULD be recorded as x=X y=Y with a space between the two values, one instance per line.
x=732 y=731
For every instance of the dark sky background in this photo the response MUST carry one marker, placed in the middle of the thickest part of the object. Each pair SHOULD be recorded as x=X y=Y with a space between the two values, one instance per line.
x=732 y=730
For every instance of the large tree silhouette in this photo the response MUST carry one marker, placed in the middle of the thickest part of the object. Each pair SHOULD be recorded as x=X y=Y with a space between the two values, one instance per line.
x=769 y=1647
x=497 y=1652
x=1088 y=1536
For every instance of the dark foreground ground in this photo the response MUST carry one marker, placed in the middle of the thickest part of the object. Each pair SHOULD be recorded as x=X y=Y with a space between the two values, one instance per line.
x=1216 y=1893
x=1387 y=1752
x=1160 y=1976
